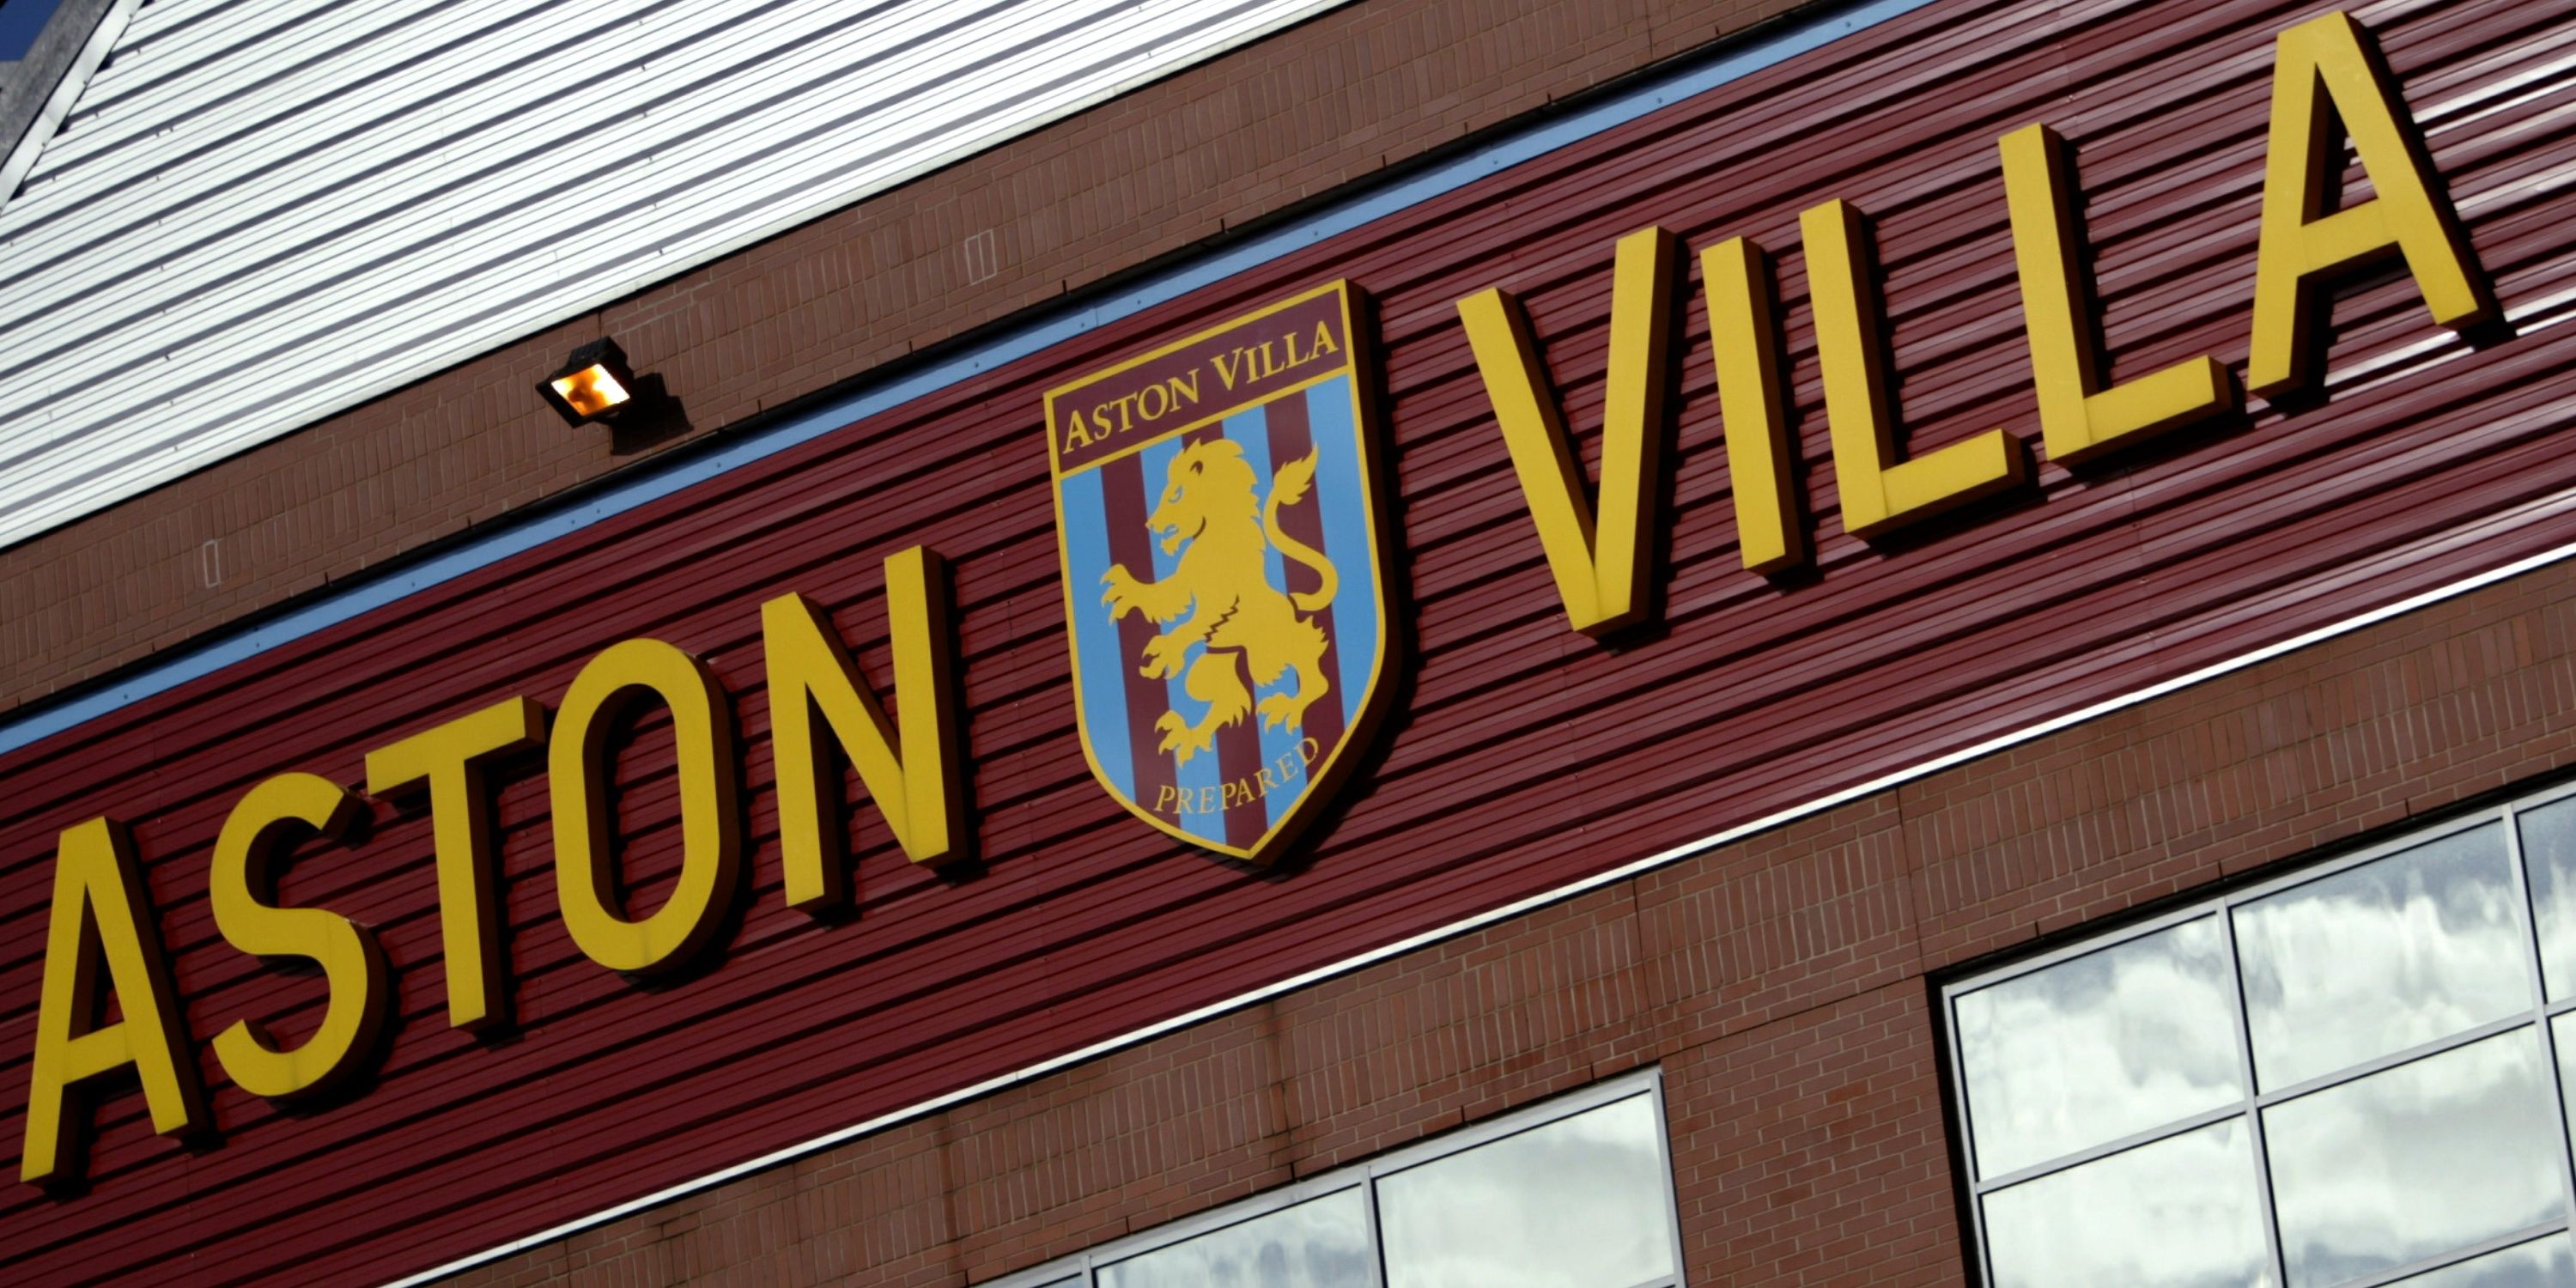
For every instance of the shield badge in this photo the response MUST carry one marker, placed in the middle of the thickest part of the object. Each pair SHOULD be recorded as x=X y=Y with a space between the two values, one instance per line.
x=1224 y=570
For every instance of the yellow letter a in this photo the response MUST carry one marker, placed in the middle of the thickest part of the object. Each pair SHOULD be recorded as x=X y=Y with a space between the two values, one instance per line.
x=2321 y=62
x=1600 y=572
x=102 y=916
x=913 y=773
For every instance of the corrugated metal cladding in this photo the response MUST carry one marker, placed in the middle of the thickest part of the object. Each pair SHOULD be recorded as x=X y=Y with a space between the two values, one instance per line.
x=260 y=212
x=1521 y=756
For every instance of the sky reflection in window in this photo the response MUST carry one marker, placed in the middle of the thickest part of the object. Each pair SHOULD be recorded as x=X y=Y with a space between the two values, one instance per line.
x=2100 y=1046
x=2180 y=1212
x=1320 y=1243
x=2413 y=947
x=2415 y=1160
x=1582 y=1202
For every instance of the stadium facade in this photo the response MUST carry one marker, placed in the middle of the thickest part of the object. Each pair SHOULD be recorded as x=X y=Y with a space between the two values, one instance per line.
x=1415 y=642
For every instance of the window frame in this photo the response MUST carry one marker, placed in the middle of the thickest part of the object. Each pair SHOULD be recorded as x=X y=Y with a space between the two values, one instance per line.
x=1081 y=1268
x=2540 y=1019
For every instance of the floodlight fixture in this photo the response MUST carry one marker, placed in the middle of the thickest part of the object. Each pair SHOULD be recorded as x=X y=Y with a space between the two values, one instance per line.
x=594 y=384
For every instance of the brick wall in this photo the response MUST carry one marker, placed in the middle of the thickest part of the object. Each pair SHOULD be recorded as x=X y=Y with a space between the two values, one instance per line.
x=1165 y=167
x=1782 y=983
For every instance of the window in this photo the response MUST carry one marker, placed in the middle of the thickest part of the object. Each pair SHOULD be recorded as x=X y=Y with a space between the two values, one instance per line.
x=1576 y=1193
x=2348 y=1076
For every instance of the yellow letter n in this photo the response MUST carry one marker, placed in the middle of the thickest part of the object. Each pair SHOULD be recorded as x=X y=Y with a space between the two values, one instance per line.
x=102 y=933
x=910 y=766
x=2322 y=72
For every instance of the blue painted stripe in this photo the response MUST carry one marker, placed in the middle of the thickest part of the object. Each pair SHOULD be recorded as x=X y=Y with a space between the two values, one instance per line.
x=1252 y=429
x=1330 y=409
x=1201 y=771
x=1097 y=667
x=653 y=481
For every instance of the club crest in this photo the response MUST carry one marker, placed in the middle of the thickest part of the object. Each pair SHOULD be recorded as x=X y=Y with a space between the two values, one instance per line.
x=1224 y=572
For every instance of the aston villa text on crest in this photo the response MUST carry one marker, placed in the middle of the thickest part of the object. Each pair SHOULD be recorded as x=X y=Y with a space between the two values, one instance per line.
x=1279 y=355
x=1168 y=389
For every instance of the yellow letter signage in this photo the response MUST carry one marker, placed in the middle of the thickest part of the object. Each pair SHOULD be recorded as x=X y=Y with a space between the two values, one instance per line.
x=2322 y=64
x=241 y=883
x=451 y=759
x=577 y=773
x=911 y=770
x=1600 y=568
x=102 y=940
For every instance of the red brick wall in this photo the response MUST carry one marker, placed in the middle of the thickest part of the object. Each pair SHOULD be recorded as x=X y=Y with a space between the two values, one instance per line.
x=1161 y=169
x=1781 y=983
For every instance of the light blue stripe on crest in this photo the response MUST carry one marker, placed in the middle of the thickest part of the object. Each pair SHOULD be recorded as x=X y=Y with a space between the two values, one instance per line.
x=1085 y=516
x=1201 y=771
x=1331 y=412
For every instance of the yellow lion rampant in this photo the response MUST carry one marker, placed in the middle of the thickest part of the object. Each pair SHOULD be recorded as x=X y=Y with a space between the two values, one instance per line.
x=1244 y=621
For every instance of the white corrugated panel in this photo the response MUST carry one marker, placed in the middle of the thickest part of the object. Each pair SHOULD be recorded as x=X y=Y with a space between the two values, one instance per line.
x=259 y=212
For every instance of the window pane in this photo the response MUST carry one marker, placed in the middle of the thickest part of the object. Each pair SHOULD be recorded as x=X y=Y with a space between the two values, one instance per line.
x=1320 y=1243
x=2541 y=1263
x=2180 y=1212
x=2097 y=1047
x=2399 y=951
x=2414 y=1161
x=2549 y=853
x=1582 y=1202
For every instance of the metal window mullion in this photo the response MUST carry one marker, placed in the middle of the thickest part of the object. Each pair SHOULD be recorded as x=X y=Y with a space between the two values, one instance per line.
x=2383 y=1063
x=1376 y=1243
x=2541 y=1018
x=2244 y=1027
x=1966 y=1134
x=2455 y=1256
x=1672 y=1185
x=2095 y=1153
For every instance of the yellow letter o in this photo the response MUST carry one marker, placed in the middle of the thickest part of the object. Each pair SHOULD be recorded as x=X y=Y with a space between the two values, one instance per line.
x=710 y=831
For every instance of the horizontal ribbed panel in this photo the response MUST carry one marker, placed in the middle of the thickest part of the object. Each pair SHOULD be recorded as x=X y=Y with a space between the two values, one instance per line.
x=260 y=212
x=1519 y=756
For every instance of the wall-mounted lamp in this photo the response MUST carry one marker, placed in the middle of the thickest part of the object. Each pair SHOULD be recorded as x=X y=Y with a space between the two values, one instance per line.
x=595 y=384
